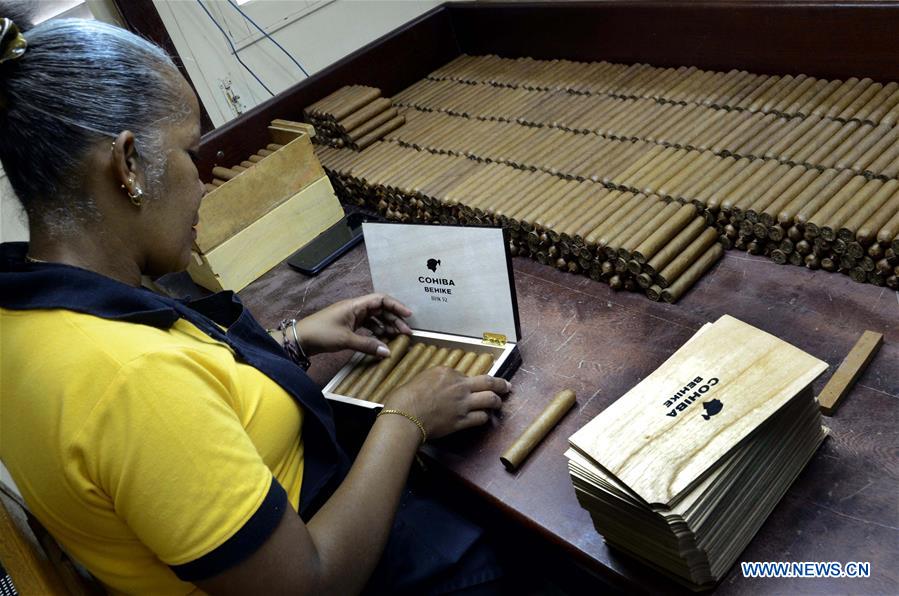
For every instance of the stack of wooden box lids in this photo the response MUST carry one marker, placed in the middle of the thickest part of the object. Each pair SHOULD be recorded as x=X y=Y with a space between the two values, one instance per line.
x=683 y=469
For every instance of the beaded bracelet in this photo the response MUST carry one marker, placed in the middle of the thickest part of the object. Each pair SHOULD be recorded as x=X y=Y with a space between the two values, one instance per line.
x=421 y=427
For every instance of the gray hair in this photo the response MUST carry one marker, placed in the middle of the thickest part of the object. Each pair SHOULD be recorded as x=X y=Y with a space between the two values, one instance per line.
x=79 y=82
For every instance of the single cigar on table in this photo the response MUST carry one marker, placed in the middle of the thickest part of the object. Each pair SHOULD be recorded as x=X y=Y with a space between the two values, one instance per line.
x=413 y=354
x=537 y=430
x=397 y=347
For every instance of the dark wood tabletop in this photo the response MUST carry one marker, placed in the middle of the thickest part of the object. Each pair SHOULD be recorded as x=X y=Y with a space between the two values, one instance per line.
x=578 y=334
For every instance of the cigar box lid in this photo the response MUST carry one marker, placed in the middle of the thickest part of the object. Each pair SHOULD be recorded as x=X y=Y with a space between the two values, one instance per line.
x=673 y=428
x=456 y=279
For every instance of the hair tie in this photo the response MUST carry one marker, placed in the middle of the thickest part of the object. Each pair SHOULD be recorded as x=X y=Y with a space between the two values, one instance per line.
x=12 y=42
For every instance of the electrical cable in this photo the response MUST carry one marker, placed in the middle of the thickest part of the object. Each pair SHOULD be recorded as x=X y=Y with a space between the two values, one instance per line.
x=233 y=49
x=266 y=34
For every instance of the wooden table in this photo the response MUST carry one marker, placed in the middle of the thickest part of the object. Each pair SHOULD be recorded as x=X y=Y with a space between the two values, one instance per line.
x=579 y=334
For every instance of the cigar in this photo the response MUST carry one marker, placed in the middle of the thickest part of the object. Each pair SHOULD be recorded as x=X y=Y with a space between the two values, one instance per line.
x=352 y=389
x=379 y=132
x=689 y=277
x=465 y=362
x=513 y=457
x=480 y=366
x=367 y=127
x=675 y=247
x=453 y=357
x=397 y=347
x=362 y=99
x=682 y=263
x=850 y=207
x=664 y=234
x=820 y=218
x=869 y=230
x=224 y=173
x=399 y=371
x=354 y=374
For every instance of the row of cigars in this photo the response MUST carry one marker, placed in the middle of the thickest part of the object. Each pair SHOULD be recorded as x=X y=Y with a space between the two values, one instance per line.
x=354 y=116
x=813 y=141
x=629 y=240
x=372 y=379
x=752 y=181
x=836 y=220
x=862 y=100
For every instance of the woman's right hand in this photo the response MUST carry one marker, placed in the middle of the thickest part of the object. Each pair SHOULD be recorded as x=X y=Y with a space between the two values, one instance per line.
x=445 y=400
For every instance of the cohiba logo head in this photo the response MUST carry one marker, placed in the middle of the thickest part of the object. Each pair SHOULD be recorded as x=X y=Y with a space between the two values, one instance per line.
x=432 y=264
x=711 y=408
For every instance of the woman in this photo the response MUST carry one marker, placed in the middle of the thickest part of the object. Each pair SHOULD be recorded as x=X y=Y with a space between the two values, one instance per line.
x=168 y=446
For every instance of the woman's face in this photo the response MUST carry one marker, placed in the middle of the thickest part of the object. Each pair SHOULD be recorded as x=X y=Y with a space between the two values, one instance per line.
x=172 y=204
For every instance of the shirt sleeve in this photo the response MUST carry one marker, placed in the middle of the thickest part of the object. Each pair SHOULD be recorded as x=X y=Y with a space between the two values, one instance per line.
x=167 y=446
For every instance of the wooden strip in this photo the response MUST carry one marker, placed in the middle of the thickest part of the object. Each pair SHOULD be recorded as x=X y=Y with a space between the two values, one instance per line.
x=849 y=371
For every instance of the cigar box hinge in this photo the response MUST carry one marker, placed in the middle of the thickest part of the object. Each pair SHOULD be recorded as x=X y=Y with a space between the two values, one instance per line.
x=494 y=339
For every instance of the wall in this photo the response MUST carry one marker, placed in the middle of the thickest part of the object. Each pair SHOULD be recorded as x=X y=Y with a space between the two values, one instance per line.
x=317 y=39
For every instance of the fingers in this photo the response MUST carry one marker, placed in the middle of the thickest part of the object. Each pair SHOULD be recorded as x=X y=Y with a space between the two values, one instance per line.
x=473 y=418
x=367 y=345
x=375 y=325
x=395 y=324
x=485 y=400
x=389 y=308
x=488 y=383
x=394 y=306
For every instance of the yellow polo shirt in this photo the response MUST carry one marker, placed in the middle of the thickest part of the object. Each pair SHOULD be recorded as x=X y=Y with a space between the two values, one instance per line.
x=141 y=448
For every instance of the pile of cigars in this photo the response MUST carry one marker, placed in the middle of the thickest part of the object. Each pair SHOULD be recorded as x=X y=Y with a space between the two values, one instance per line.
x=281 y=130
x=354 y=116
x=799 y=169
x=682 y=470
x=373 y=379
x=221 y=174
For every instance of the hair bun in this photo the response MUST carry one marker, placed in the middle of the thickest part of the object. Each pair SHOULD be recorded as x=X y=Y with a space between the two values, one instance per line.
x=12 y=43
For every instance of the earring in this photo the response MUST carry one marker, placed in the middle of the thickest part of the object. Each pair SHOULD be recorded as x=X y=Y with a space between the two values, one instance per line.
x=137 y=195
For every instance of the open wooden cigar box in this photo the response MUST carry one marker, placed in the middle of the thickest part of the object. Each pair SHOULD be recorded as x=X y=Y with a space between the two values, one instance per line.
x=458 y=283
x=258 y=213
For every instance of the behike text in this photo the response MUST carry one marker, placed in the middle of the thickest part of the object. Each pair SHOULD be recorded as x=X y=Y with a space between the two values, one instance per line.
x=683 y=398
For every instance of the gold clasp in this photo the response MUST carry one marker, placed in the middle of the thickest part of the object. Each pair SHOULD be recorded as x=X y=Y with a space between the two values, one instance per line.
x=494 y=339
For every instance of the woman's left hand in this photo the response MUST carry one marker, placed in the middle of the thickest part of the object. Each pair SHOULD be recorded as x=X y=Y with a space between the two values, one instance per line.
x=336 y=327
